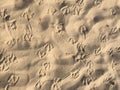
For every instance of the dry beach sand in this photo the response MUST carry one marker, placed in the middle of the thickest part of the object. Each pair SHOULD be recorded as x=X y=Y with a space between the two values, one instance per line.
x=59 y=44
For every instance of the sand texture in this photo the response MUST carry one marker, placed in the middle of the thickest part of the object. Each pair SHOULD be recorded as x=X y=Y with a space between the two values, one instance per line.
x=59 y=44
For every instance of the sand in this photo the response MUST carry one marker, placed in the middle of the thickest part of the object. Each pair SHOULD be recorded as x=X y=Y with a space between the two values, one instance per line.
x=59 y=44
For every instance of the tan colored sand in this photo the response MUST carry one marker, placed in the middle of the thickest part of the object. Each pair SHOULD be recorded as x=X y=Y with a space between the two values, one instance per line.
x=59 y=44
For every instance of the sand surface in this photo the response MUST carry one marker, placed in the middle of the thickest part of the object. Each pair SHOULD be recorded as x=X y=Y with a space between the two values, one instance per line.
x=59 y=44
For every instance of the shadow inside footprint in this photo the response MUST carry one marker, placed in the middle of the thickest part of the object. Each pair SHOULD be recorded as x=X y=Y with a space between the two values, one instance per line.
x=21 y=4
x=44 y=23
x=97 y=19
